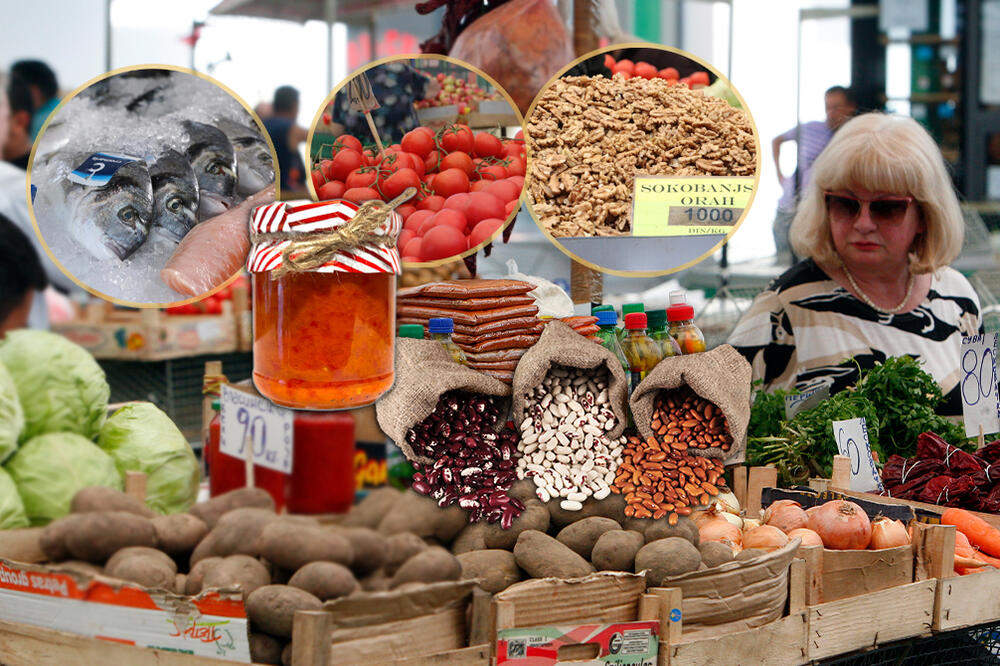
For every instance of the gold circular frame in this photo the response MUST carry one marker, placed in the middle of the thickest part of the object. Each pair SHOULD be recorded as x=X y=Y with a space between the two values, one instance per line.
x=640 y=45
x=455 y=61
x=55 y=112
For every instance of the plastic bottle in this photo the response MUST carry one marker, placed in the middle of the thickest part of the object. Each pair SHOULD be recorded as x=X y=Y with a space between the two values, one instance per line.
x=607 y=320
x=415 y=331
x=657 y=322
x=682 y=327
x=642 y=352
x=226 y=472
x=440 y=329
x=627 y=309
x=594 y=309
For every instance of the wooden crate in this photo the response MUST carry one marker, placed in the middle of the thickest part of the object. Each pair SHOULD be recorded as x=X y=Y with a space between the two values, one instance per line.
x=149 y=334
x=965 y=601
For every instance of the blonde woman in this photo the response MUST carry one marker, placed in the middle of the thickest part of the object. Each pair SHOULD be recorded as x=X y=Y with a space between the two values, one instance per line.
x=879 y=224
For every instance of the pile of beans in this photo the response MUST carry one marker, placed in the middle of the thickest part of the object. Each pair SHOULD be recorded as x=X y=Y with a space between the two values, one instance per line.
x=683 y=419
x=474 y=464
x=564 y=446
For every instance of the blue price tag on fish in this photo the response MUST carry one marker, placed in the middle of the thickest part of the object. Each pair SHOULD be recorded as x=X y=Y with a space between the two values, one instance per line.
x=98 y=169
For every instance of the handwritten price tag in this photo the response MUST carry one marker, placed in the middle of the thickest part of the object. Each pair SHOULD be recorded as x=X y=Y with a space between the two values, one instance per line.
x=979 y=384
x=852 y=441
x=248 y=420
x=360 y=95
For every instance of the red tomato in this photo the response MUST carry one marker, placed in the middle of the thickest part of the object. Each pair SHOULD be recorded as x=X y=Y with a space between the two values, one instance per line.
x=428 y=179
x=416 y=163
x=685 y=81
x=346 y=141
x=369 y=157
x=393 y=162
x=458 y=137
x=318 y=179
x=456 y=201
x=394 y=185
x=509 y=207
x=513 y=149
x=625 y=65
x=609 y=62
x=448 y=217
x=458 y=160
x=699 y=78
x=517 y=180
x=433 y=161
x=504 y=190
x=344 y=163
x=482 y=206
x=442 y=242
x=493 y=172
x=326 y=166
x=479 y=185
x=432 y=203
x=487 y=145
x=361 y=194
x=519 y=135
x=620 y=68
x=327 y=119
x=414 y=221
x=332 y=190
x=406 y=210
x=484 y=231
x=363 y=177
x=516 y=166
x=413 y=247
x=418 y=141
x=451 y=181
x=669 y=73
x=410 y=260
x=405 y=236
x=645 y=70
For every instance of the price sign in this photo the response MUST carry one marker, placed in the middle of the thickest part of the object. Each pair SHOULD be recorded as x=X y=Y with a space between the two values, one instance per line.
x=852 y=441
x=360 y=94
x=798 y=402
x=97 y=170
x=248 y=420
x=688 y=206
x=978 y=384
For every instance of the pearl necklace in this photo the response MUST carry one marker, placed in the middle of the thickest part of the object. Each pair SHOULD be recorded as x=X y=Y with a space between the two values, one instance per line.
x=867 y=301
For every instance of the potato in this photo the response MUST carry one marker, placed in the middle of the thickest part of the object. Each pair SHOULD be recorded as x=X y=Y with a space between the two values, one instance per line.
x=661 y=529
x=534 y=517
x=749 y=554
x=272 y=608
x=94 y=537
x=180 y=583
x=583 y=534
x=265 y=649
x=290 y=546
x=541 y=556
x=668 y=557
x=235 y=533
x=215 y=508
x=326 y=580
x=370 y=511
x=52 y=539
x=243 y=571
x=523 y=491
x=100 y=498
x=714 y=553
x=179 y=533
x=145 y=570
x=76 y=566
x=376 y=582
x=496 y=569
x=399 y=548
x=196 y=576
x=286 y=655
x=431 y=565
x=472 y=537
x=615 y=550
x=369 y=547
x=133 y=551
x=421 y=515
x=612 y=506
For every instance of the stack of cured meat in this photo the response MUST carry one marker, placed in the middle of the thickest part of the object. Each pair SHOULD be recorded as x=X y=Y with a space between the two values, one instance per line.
x=495 y=320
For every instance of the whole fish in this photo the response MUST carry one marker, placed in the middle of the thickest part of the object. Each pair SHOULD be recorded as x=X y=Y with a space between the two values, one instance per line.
x=214 y=161
x=175 y=195
x=254 y=166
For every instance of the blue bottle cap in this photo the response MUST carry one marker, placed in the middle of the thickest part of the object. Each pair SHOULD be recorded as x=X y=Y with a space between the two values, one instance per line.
x=441 y=325
x=607 y=318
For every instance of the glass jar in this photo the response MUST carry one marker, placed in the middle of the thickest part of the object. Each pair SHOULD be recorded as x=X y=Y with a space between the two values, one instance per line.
x=323 y=338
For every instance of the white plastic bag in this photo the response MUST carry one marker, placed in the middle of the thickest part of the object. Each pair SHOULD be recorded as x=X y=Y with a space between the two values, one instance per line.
x=550 y=299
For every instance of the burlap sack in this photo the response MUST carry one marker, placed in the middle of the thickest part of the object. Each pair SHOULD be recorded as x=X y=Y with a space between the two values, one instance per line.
x=425 y=370
x=561 y=345
x=721 y=376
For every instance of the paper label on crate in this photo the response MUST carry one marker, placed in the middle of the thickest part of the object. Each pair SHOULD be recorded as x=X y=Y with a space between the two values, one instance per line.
x=622 y=644
x=212 y=625
x=800 y=402
x=852 y=441
x=688 y=205
x=978 y=384
x=98 y=169
x=360 y=94
x=249 y=420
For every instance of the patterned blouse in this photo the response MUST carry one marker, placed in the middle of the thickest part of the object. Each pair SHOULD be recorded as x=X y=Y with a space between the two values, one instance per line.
x=801 y=329
x=396 y=86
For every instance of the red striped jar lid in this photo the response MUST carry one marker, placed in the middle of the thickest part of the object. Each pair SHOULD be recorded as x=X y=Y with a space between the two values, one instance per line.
x=308 y=216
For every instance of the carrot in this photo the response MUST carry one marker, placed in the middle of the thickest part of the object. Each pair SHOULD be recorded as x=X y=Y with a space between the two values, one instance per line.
x=981 y=534
x=992 y=561
x=962 y=571
x=966 y=562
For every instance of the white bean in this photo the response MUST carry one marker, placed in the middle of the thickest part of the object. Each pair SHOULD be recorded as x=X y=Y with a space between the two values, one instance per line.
x=576 y=497
x=570 y=505
x=602 y=493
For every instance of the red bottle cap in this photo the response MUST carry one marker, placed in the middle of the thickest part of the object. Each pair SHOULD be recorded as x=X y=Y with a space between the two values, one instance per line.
x=635 y=320
x=680 y=312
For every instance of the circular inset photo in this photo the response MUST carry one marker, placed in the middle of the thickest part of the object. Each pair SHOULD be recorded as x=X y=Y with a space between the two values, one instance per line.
x=433 y=124
x=642 y=160
x=142 y=183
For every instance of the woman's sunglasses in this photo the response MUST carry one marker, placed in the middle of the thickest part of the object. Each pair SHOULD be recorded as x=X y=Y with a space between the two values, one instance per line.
x=843 y=208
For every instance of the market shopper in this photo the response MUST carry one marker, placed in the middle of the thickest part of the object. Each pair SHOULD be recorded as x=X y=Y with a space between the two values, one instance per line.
x=879 y=224
x=44 y=88
x=286 y=135
x=22 y=277
x=396 y=86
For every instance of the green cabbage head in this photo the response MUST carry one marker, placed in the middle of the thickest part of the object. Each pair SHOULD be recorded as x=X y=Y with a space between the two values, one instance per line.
x=11 y=507
x=11 y=416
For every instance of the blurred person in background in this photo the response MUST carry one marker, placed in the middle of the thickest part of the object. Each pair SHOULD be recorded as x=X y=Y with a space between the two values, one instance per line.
x=811 y=137
x=17 y=148
x=287 y=135
x=44 y=88
x=22 y=278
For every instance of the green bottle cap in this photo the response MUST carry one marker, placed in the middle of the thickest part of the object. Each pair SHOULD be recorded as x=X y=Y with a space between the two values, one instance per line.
x=216 y=405
x=629 y=308
x=657 y=318
x=601 y=308
x=411 y=331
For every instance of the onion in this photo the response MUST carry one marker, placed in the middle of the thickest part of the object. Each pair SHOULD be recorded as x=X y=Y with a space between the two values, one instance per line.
x=888 y=533
x=765 y=537
x=714 y=512
x=716 y=528
x=727 y=500
x=750 y=523
x=813 y=509
x=809 y=538
x=842 y=525
x=786 y=515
